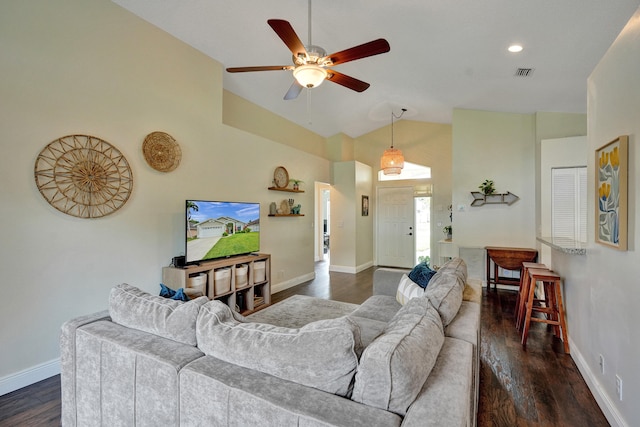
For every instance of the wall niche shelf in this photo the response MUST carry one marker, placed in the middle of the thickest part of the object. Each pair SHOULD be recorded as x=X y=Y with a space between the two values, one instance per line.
x=480 y=199
x=288 y=190
x=286 y=214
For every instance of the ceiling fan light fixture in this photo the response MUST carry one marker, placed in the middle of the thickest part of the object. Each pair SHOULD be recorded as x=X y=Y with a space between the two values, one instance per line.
x=392 y=161
x=310 y=75
x=515 y=48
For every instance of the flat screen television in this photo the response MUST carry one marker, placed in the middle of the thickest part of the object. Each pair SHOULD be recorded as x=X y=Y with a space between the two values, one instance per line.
x=216 y=229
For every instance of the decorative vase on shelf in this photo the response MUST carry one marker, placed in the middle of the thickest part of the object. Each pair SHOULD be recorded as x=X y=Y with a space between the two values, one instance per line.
x=448 y=232
x=273 y=208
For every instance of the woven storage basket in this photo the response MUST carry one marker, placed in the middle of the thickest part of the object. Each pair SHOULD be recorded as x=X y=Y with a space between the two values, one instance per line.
x=222 y=280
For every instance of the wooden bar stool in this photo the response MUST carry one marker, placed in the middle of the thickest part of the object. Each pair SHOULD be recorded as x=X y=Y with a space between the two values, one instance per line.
x=523 y=291
x=553 y=307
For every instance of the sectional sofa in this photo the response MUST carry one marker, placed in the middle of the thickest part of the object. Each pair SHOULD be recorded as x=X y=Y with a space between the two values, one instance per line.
x=149 y=361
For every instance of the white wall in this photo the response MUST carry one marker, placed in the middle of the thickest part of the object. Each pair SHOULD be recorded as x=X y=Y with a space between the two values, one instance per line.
x=601 y=289
x=88 y=66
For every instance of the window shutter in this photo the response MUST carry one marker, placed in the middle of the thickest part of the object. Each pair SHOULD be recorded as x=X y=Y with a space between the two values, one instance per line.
x=569 y=203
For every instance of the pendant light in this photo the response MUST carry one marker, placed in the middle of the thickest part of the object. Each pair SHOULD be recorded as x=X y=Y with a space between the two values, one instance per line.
x=392 y=160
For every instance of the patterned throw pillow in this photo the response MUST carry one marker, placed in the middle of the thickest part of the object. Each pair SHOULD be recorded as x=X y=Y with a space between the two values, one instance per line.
x=407 y=289
x=421 y=274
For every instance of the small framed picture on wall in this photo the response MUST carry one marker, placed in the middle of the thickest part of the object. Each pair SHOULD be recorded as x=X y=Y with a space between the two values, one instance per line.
x=365 y=205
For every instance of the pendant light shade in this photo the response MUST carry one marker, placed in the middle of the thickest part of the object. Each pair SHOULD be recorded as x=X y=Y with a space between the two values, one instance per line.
x=392 y=160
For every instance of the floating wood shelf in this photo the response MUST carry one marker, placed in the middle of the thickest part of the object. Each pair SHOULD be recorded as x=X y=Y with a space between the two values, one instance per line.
x=480 y=199
x=286 y=214
x=288 y=190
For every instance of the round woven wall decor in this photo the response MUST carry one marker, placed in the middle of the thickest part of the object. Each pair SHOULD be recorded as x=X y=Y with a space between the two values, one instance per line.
x=161 y=151
x=83 y=176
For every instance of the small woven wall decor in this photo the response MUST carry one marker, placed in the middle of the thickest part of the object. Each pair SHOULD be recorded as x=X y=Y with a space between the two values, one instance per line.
x=83 y=176
x=161 y=151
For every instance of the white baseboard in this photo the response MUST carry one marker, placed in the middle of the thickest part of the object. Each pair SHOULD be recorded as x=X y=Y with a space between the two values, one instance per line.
x=599 y=393
x=292 y=282
x=29 y=376
x=352 y=270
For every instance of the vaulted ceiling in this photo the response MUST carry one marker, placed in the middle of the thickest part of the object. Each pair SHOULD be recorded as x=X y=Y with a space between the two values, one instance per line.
x=445 y=54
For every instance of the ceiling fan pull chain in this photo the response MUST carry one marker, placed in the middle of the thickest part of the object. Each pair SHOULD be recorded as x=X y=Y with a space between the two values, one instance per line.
x=309 y=105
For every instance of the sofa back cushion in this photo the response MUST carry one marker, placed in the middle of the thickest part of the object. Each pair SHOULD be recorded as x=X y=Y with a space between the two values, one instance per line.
x=456 y=266
x=395 y=366
x=321 y=354
x=137 y=309
x=445 y=293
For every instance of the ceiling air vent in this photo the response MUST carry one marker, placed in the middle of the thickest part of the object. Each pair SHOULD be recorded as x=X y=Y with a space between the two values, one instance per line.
x=524 y=72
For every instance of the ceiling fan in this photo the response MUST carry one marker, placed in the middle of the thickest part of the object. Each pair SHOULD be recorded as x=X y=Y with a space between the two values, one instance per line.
x=311 y=64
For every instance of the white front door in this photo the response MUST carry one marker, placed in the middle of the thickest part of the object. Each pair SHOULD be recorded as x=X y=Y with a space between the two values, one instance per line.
x=396 y=227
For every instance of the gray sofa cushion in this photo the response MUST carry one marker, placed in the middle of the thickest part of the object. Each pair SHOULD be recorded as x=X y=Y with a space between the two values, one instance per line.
x=456 y=266
x=370 y=329
x=395 y=366
x=134 y=308
x=378 y=307
x=445 y=293
x=321 y=355
x=448 y=394
x=217 y=393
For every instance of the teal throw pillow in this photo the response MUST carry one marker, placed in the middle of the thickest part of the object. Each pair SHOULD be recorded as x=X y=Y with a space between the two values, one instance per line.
x=178 y=295
x=421 y=274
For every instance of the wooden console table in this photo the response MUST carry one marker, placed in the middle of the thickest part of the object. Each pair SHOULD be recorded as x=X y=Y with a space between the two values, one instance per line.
x=508 y=259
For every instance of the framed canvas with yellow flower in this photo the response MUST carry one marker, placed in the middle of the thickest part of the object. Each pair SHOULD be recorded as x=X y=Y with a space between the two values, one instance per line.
x=611 y=193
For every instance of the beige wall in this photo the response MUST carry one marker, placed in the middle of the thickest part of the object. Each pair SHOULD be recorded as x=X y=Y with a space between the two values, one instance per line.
x=499 y=147
x=601 y=288
x=351 y=233
x=88 y=66
x=549 y=126
x=505 y=148
x=556 y=153
x=242 y=114
x=427 y=144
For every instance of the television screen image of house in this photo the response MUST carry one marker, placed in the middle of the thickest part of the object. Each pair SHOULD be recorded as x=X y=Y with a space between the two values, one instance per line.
x=221 y=229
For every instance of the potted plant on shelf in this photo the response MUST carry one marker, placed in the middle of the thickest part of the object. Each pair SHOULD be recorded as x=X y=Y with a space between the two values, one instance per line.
x=296 y=183
x=448 y=230
x=487 y=187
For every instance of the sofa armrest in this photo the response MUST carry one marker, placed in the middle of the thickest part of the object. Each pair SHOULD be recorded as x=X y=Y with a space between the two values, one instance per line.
x=68 y=362
x=386 y=280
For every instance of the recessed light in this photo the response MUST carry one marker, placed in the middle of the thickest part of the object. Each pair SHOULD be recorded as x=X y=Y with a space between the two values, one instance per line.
x=515 y=48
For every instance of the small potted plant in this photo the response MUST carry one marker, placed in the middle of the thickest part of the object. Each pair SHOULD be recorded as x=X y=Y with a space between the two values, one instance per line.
x=487 y=187
x=296 y=183
x=448 y=230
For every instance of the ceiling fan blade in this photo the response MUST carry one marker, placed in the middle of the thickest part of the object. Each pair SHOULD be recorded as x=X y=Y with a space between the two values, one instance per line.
x=347 y=81
x=288 y=35
x=293 y=91
x=371 y=48
x=260 y=68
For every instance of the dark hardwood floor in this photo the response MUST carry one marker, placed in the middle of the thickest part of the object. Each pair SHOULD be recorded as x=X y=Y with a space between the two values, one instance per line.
x=539 y=386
